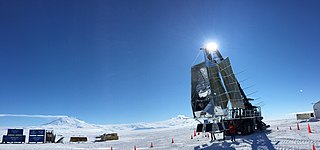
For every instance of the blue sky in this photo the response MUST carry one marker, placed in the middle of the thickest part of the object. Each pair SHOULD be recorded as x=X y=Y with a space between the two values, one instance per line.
x=129 y=61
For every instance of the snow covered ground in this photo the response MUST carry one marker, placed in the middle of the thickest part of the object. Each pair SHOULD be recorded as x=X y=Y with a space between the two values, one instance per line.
x=179 y=129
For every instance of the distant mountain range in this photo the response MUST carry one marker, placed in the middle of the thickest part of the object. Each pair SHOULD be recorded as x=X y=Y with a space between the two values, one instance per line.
x=69 y=122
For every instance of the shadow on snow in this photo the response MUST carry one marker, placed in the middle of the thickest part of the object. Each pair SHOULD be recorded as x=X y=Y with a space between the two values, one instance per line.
x=258 y=140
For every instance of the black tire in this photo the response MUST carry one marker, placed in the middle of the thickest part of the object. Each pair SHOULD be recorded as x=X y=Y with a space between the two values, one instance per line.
x=253 y=126
x=246 y=128
x=261 y=126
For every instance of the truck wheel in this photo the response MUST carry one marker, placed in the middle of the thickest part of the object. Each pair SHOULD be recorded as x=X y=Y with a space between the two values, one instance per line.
x=246 y=128
x=253 y=127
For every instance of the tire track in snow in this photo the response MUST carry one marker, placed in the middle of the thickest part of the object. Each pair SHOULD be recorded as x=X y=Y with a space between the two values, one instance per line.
x=291 y=140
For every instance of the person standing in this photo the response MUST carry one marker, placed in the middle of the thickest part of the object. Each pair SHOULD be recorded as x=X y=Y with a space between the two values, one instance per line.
x=232 y=131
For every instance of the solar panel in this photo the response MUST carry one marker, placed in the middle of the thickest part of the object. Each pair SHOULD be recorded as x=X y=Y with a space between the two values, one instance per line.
x=199 y=127
x=209 y=127
x=231 y=84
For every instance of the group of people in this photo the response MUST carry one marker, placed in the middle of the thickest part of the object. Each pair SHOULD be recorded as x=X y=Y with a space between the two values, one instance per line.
x=232 y=131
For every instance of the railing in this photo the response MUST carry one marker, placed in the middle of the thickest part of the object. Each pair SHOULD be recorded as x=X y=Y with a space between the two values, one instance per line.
x=242 y=113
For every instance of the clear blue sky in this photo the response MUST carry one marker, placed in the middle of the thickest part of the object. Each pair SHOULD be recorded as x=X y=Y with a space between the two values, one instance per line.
x=128 y=61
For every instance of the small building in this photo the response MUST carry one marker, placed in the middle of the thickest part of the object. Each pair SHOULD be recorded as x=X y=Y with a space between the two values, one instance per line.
x=304 y=115
x=37 y=135
x=316 y=109
x=78 y=139
x=50 y=137
x=14 y=136
x=107 y=137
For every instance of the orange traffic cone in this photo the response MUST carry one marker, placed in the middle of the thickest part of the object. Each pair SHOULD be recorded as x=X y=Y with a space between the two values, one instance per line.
x=151 y=145
x=313 y=147
x=194 y=133
x=135 y=147
x=172 y=141
x=298 y=128
x=309 y=128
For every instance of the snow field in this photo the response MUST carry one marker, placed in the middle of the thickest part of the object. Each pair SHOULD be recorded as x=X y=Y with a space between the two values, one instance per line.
x=180 y=129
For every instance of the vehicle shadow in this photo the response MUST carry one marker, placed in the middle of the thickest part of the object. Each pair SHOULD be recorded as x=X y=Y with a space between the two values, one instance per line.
x=258 y=140
x=221 y=145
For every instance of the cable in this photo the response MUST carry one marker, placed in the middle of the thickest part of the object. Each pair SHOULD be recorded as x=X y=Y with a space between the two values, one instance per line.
x=196 y=58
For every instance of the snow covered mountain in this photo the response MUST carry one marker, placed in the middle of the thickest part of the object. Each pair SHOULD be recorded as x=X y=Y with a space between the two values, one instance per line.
x=68 y=122
x=176 y=122
x=181 y=120
x=73 y=123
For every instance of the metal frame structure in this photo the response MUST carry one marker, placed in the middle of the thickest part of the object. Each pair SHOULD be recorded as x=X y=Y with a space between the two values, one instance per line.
x=224 y=87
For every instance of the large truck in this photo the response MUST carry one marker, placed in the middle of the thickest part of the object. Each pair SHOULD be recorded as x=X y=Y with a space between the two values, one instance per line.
x=217 y=97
